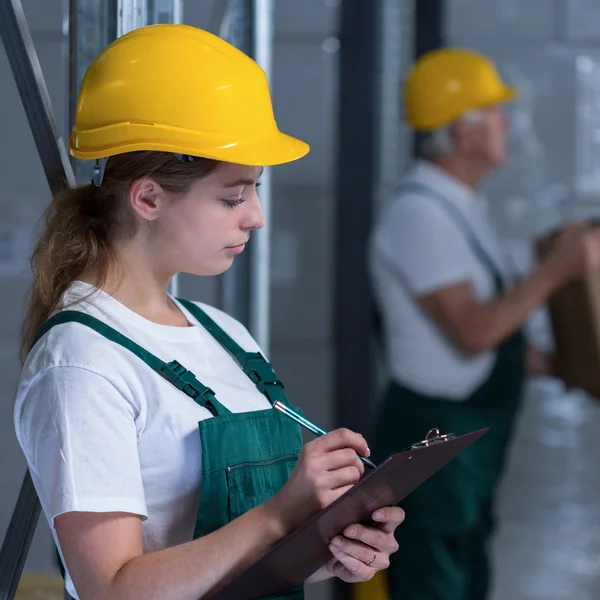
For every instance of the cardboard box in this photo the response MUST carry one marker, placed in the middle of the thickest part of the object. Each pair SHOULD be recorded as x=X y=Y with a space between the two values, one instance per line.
x=575 y=318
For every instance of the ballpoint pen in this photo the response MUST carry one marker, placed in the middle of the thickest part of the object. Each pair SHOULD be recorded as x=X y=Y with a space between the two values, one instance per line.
x=282 y=408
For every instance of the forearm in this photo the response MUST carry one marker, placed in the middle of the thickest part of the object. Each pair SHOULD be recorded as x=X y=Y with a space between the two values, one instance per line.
x=495 y=321
x=191 y=570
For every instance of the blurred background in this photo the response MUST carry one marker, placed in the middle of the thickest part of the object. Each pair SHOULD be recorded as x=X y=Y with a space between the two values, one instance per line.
x=335 y=69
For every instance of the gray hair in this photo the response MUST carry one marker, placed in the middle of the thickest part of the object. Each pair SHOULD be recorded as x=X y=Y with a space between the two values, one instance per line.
x=432 y=145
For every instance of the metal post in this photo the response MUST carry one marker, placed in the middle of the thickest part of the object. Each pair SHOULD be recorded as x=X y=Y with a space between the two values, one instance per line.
x=358 y=154
x=429 y=31
x=245 y=287
x=260 y=259
x=32 y=88
x=73 y=71
x=28 y=76
x=132 y=14
x=429 y=26
x=233 y=21
x=176 y=16
x=177 y=11
x=357 y=186
x=220 y=18
x=92 y=27
x=18 y=539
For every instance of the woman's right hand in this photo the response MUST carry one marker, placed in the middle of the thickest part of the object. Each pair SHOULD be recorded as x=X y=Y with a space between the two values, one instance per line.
x=327 y=467
x=576 y=251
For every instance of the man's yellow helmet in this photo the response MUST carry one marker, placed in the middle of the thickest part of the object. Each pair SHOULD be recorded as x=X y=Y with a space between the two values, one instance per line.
x=446 y=83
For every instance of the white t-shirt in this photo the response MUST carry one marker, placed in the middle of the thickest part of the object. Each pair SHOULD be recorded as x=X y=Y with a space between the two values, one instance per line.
x=416 y=248
x=102 y=432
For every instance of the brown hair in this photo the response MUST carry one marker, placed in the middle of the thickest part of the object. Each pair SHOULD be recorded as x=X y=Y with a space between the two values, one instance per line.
x=80 y=225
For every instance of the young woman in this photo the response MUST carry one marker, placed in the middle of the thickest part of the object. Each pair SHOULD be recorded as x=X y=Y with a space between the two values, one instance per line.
x=147 y=422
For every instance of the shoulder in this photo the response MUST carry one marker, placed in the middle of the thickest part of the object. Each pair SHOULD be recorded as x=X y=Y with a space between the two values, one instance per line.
x=412 y=221
x=72 y=360
x=74 y=375
x=410 y=205
x=70 y=344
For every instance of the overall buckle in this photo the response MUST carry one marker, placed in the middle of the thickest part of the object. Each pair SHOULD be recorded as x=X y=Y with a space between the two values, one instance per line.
x=260 y=371
x=185 y=381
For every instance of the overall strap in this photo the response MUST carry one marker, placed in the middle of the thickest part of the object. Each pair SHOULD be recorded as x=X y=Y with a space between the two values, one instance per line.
x=254 y=364
x=464 y=225
x=174 y=372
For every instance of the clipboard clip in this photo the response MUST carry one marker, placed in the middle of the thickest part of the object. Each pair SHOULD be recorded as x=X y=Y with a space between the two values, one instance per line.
x=433 y=437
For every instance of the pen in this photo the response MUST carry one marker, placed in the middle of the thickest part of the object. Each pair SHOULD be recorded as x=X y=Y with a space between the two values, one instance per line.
x=282 y=408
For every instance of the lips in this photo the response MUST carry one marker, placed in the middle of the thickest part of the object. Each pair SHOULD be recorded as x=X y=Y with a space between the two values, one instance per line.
x=236 y=249
x=235 y=246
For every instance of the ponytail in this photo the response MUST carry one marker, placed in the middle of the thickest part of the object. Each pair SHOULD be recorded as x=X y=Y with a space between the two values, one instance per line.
x=75 y=242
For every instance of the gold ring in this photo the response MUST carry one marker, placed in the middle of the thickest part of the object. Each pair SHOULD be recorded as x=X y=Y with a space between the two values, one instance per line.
x=372 y=560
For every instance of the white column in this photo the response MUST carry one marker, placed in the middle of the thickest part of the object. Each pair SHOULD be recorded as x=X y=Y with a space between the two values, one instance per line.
x=260 y=277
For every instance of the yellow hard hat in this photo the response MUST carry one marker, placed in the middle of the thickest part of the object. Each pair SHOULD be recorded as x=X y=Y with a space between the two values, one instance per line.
x=445 y=83
x=176 y=88
x=375 y=589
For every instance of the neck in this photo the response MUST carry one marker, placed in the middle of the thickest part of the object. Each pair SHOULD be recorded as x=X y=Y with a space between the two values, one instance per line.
x=135 y=282
x=465 y=170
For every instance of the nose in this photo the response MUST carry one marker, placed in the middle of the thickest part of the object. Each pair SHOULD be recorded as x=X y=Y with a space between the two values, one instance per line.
x=254 y=218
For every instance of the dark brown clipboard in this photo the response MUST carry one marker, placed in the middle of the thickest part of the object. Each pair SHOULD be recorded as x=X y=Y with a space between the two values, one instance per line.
x=299 y=555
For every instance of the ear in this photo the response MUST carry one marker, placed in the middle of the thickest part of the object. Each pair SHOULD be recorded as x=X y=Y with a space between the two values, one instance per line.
x=460 y=136
x=145 y=196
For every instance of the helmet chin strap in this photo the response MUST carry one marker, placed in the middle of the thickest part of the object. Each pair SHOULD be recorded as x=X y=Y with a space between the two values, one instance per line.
x=98 y=174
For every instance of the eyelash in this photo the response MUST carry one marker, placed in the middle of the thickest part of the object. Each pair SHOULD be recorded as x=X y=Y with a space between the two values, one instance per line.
x=238 y=201
x=233 y=203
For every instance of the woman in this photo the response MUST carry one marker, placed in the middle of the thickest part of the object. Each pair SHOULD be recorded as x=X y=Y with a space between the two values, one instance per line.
x=140 y=505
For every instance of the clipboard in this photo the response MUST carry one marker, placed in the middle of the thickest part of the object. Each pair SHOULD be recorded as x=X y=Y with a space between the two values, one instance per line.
x=306 y=550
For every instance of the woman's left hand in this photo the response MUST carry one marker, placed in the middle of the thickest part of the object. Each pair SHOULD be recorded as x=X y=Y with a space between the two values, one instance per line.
x=362 y=550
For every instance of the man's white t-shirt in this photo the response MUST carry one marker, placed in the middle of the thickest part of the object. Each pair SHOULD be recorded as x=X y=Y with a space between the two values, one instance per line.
x=417 y=247
x=102 y=432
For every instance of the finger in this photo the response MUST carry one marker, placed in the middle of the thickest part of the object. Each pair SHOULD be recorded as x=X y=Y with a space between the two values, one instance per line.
x=331 y=495
x=357 y=566
x=346 y=457
x=343 y=438
x=388 y=518
x=371 y=557
x=338 y=492
x=341 y=571
x=373 y=537
x=344 y=477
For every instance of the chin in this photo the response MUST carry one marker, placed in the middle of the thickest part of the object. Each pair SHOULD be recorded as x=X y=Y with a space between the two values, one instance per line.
x=210 y=270
x=497 y=161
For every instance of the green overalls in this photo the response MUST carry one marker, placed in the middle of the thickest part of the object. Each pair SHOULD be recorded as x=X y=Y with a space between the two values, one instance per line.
x=246 y=457
x=449 y=519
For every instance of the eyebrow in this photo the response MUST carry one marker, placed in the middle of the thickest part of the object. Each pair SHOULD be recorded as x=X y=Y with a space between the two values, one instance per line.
x=239 y=182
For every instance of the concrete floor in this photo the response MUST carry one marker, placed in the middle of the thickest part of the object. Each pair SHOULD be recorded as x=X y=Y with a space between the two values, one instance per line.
x=548 y=543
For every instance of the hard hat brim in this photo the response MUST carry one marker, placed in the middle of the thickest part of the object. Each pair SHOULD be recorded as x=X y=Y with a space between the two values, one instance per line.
x=510 y=93
x=506 y=94
x=275 y=149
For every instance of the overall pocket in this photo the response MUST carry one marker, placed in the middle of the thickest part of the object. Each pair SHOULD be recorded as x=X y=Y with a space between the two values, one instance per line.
x=252 y=483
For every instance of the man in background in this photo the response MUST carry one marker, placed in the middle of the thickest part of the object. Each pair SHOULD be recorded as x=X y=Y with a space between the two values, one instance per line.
x=452 y=317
